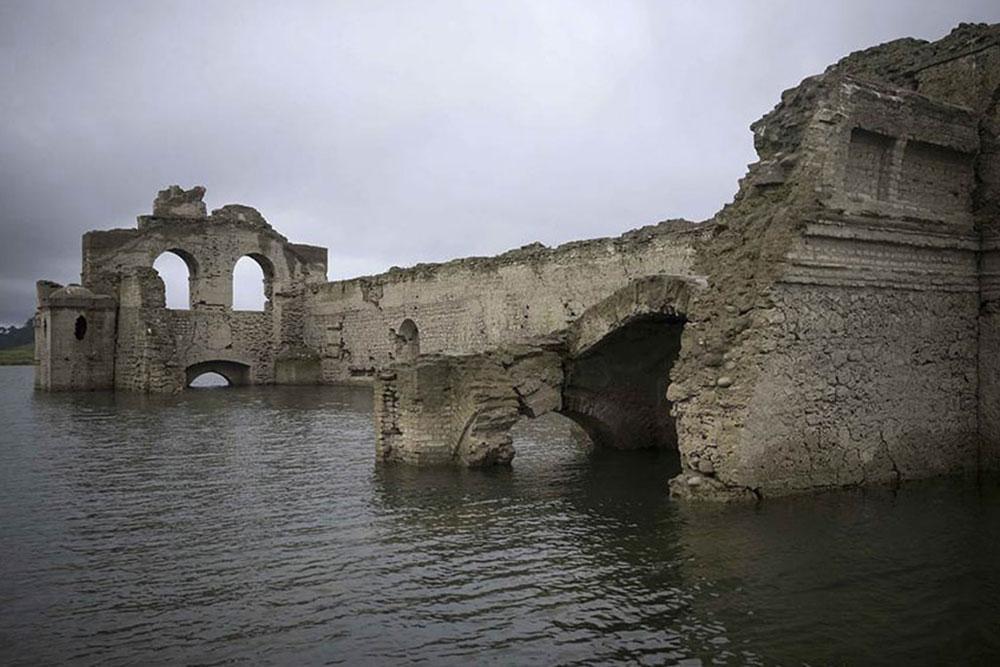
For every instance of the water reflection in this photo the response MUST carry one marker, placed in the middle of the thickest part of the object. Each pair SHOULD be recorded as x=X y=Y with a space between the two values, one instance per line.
x=252 y=525
x=843 y=572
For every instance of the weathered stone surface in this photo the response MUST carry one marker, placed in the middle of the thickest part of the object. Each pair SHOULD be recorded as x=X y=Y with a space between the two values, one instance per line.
x=176 y=202
x=837 y=324
x=608 y=372
x=239 y=213
x=870 y=236
x=74 y=338
x=460 y=409
x=862 y=222
x=472 y=305
x=155 y=349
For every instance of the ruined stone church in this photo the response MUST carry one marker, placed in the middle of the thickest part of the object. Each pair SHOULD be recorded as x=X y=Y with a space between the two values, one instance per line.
x=837 y=324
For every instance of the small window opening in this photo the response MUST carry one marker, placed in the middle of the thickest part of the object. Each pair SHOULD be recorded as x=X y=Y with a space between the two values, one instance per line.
x=80 y=328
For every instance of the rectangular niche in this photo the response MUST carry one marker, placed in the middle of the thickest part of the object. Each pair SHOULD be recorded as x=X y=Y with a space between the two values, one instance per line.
x=868 y=161
x=935 y=178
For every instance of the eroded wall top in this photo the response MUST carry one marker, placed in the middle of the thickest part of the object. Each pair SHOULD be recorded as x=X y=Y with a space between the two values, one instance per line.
x=210 y=245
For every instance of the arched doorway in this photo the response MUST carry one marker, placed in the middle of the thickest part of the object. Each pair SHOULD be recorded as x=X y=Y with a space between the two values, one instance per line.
x=177 y=269
x=234 y=372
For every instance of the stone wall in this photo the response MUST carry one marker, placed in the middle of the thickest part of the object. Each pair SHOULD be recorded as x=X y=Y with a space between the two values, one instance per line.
x=155 y=346
x=607 y=371
x=442 y=410
x=74 y=339
x=850 y=356
x=471 y=305
x=840 y=337
x=860 y=385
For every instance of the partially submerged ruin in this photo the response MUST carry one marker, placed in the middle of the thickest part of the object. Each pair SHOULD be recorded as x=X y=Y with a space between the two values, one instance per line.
x=837 y=324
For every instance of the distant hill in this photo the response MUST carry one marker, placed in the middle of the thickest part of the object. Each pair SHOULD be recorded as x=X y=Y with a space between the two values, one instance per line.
x=17 y=336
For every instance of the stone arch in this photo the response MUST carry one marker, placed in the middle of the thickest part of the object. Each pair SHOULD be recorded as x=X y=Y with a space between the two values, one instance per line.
x=620 y=353
x=407 y=340
x=609 y=372
x=235 y=372
x=617 y=389
x=243 y=275
x=209 y=380
x=659 y=295
x=178 y=277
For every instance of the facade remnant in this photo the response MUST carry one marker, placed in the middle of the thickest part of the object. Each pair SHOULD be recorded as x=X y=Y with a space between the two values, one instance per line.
x=837 y=324
x=136 y=343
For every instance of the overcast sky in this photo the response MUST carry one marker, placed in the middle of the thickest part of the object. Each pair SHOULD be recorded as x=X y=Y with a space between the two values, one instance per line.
x=399 y=132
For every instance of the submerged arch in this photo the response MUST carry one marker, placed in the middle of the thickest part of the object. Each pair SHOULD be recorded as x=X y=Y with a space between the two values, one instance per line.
x=617 y=389
x=609 y=372
x=621 y=352
x=235 y=373
x=209 y=379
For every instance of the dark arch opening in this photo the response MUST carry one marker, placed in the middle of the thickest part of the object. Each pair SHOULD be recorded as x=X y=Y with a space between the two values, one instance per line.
x=234 y=372
x=177 y=269
x=407 y=341
x=80 y=327
x=253 y=277
x=617 y=389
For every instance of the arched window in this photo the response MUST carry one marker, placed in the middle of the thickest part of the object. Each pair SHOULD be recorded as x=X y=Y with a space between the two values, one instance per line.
x=80 y=328
x=252 y=283
x=176 y=269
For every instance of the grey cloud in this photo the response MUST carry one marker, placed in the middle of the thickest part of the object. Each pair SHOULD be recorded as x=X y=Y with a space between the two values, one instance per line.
x=397 y=132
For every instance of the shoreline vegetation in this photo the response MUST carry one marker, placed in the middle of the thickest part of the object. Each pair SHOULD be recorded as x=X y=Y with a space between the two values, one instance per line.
x=22 y=355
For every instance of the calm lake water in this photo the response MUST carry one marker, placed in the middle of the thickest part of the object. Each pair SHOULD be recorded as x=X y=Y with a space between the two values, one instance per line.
x=229 y=526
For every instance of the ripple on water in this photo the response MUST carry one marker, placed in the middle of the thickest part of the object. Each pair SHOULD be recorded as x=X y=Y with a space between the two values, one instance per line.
x=252 y=526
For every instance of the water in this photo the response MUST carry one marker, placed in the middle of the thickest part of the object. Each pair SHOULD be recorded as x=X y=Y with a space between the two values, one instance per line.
x=235 y=526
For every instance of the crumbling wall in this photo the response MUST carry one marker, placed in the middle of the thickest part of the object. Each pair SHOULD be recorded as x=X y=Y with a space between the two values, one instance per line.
x=442 y=410
x=607 y=371
x=143 y=343
x=154 y=345
x=862 y=386
x=471 y=305
x=837 y=341
x=74 y=339
x=846 y=332
x=962 y=69
x=971 y=77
